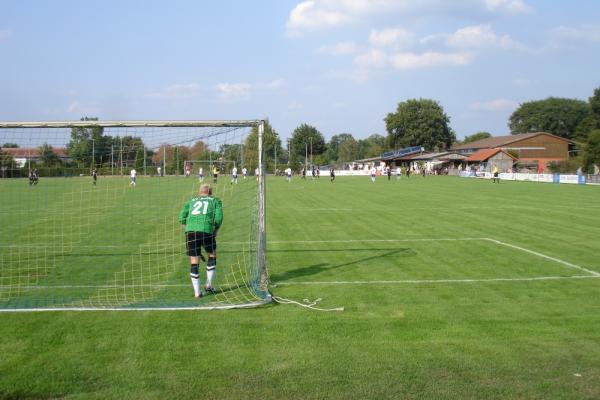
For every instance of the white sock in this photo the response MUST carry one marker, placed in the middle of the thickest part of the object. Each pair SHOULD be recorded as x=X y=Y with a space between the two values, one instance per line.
x=196 y=285
x=210 y=274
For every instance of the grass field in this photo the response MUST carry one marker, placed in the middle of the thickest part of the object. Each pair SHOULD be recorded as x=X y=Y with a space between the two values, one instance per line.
x=452 y=288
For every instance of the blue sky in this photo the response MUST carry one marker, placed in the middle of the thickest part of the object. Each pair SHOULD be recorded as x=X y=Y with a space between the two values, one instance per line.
x=339 y=65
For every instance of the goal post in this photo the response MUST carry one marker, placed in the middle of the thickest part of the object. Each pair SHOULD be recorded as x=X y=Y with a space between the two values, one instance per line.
x=90 y=216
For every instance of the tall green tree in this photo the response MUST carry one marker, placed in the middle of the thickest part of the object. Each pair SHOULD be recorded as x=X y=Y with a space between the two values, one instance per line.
x=47 y=155
x=88 y=144
x=10 y=146
x=341 y=148
x=420 y=122
x=558 y=116
x=591 y=155
x=372 y=146
x=306 y=140
x=271 y=145
x=477 y=136
x=594 y=102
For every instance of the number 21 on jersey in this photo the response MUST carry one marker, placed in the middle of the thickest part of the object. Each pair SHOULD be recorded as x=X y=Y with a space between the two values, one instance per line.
x=200 y=207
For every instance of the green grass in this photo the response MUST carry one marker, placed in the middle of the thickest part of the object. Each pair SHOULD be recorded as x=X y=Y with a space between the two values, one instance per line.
x=426 y=315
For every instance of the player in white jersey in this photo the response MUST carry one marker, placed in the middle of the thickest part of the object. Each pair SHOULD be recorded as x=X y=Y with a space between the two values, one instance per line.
x=201 y=174
x=288 y=174
x=398 y=172
x=133 y=175
x=234 y=175
x=373 y=174
x=256 y=172
x=245 y=172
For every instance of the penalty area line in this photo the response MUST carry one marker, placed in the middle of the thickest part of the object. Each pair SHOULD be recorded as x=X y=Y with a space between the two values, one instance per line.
x=547 y=257
x=421 y=281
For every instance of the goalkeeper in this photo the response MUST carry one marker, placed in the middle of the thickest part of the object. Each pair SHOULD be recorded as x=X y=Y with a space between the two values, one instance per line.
x=202 y=216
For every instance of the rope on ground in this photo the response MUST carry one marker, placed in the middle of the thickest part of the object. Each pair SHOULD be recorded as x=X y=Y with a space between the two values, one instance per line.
x=306 y=303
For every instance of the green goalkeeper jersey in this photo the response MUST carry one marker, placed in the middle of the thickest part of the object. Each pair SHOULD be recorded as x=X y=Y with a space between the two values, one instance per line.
x=202 y=214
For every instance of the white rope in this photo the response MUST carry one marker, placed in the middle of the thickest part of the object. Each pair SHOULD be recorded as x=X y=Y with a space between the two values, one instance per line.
x=306 y=304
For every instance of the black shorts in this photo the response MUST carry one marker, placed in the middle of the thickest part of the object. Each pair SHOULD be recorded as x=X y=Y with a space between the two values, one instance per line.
x=495 y=174
x=195 y=241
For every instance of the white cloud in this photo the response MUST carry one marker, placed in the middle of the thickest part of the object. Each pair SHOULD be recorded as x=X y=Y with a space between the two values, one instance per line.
x=275 y=84
x=470 y=37
x=339 y=49
x=313 y=15
x=233 y=91
x=82 y=109
x=398 y=38
x=429 y=59
x=374 y=58
x=495 y=105
x=5 y=34
x=178 y=91
x=511 y=6
x=589 y=33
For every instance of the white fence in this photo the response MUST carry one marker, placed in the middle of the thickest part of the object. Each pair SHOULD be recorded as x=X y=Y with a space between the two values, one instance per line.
x=516 y=176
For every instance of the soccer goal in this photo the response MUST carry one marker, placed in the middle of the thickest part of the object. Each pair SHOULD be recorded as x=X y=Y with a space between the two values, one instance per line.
x=89 y=215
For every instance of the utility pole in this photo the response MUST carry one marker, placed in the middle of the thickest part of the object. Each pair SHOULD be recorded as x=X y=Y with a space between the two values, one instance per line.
x=311 y=162
x=112 y=160
x=275 y=158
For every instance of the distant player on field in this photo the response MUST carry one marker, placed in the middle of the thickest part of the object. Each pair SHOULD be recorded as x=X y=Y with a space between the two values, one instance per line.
x=215 y=174
x=332 y=174
x=398 y=173
x=495 y=179
x=373 y=174
x=132 y=175
x=256 y=173
x=234 y=176
x=288 y=174
x=202 y=216
x=245 y=172
x=201 y=175
x=94 y=176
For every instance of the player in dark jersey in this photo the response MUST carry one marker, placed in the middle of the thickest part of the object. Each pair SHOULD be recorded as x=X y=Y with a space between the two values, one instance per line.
x=94 y=176
x=332 y=174
x=202 y=216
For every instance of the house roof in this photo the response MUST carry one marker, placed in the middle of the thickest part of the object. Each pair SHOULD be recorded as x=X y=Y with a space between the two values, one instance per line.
x=27 y=152
x=501 y=141
x=486 y=154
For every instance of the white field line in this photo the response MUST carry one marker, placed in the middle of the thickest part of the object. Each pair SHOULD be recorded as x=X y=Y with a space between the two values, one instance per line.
x=371 y=240
x=558 y=260
x=420 y=281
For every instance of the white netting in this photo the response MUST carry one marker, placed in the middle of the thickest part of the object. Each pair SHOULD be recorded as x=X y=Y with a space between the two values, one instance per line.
x=69 y=241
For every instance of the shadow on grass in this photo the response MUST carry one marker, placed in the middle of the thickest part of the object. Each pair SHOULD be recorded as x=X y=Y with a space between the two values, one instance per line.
x=318 y=268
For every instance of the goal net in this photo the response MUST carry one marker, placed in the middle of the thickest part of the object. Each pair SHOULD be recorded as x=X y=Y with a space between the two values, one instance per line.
x=90 y=214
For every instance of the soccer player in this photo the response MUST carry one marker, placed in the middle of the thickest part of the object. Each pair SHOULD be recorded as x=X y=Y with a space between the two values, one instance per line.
x=234 y=176
x=159 y=171
x=288 y=174
x=94 y=176
x=245 y=172
x=201 y=175
x=132 y=175
x=256 y=173
x=303 y=173
x=202 y=216
x=373 y=174
x=398 y=173
x=388 y=171
x=215 y=174
x=495 y=179
x=31 y=179
x=332 y=174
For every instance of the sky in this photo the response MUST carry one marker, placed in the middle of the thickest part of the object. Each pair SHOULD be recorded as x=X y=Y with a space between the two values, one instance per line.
x=338 y=65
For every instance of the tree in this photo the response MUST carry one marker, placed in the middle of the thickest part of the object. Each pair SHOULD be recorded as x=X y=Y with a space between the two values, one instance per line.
x=341 y=148
x=10 y=146
x=591 y=155
x=585 y=127
x=271 y=145
x=419 y=123
x=553 y=115
x=87 y=140
x=7 y=164
x=477 y=136
x=594 y=102
x=47 y=155
x=307 y=140
x=372 y=146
